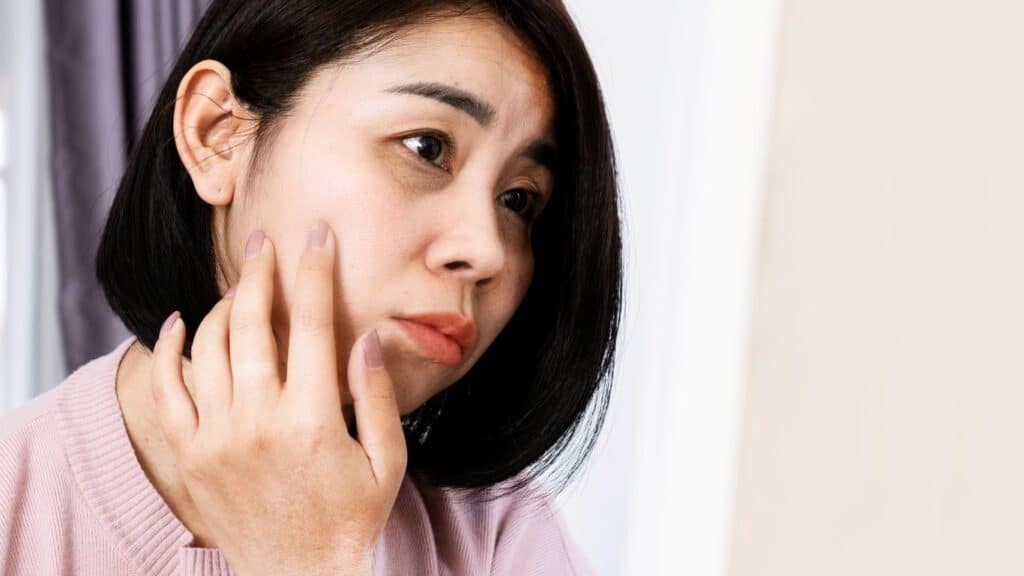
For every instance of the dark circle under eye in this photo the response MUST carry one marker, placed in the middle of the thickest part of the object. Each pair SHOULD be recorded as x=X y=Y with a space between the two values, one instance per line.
x=429 y=147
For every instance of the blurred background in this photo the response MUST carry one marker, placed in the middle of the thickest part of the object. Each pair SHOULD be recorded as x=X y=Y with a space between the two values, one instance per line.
x=822 y=353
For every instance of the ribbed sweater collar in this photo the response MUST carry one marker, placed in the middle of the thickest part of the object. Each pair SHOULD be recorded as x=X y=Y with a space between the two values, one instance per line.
x=113 y=482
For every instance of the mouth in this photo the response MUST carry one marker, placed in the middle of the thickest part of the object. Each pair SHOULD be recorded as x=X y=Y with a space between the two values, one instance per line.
x=432 y=343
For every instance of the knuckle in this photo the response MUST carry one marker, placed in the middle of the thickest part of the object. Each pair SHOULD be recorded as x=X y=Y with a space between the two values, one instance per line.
x=310 y=319
x=201 y=340
x=261 y=441
x=257 y=372
x=310 y=429
x=257 y=439
x=221 y=457
x=211 y=453
x=194 y=466
x=378 y=396
x=242 y=323
x=311 y=434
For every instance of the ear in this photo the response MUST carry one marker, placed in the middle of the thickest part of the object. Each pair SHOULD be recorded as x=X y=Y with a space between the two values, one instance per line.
x=207 y=130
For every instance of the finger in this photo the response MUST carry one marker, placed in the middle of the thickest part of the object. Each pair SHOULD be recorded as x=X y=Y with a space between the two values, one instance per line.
x=254 y=359
x=312 y=358
x=211 y=363
x=378 y=421
x=176 y=412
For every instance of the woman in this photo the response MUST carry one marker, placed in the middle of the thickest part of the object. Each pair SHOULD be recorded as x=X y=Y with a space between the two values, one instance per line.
x=370 y=256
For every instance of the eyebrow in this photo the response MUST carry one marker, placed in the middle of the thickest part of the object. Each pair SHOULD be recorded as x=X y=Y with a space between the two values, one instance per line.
x=539 y=151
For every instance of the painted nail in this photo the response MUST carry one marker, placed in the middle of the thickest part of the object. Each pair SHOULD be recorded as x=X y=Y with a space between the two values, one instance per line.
x=371 y=352
x=253 y=245
x=317 y=235
x=169 y=322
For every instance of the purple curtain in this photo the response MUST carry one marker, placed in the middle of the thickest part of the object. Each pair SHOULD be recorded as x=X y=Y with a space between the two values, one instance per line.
x=107 y=59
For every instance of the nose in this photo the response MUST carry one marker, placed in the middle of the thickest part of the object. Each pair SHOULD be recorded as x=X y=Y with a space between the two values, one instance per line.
x=471 y=246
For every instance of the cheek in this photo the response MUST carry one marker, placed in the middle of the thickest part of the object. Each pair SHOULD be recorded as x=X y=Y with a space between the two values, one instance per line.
x=357 y=201
x=523 y=273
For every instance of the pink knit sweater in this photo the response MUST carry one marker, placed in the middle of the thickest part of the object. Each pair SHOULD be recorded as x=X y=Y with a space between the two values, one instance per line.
x=75 y=500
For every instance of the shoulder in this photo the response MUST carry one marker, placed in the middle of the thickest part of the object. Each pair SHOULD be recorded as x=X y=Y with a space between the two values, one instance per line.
x=534 y=537
x=519 y=532
x=41 y=443
x=38 y=423
x=39 y=410
x=32 y=442
x=34 y=437
x=35 y=479
x=30 y=429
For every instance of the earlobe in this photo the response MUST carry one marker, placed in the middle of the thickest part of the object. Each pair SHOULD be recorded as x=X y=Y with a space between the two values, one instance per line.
x=207 y=130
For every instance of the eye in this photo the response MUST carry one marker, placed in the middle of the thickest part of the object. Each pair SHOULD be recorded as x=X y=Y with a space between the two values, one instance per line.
x=526 y=203
x=432 y=147
x=436 y=149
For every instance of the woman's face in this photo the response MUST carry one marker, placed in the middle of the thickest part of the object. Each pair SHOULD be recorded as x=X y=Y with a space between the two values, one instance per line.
x=421 y=227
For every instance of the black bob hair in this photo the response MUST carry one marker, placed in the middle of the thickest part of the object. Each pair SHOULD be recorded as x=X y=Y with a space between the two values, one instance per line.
x=542 y=388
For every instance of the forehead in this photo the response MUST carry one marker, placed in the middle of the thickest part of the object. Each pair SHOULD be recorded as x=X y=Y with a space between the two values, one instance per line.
x=477 y=55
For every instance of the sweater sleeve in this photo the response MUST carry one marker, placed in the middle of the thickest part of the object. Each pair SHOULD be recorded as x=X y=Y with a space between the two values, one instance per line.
x=534 y=541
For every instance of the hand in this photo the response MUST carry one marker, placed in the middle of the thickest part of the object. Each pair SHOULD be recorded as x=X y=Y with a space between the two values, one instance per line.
x=271 y=466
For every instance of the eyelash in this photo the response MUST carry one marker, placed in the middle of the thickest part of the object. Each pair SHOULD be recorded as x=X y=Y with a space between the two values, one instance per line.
x=528 y=215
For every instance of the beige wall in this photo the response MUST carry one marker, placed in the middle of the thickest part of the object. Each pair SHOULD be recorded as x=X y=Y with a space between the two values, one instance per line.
x=884 y=418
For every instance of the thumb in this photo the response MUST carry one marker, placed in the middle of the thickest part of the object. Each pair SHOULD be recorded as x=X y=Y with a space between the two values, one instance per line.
x=376 y=408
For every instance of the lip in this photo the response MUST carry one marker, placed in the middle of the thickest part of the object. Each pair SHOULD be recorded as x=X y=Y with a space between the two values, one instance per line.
x=445 y=337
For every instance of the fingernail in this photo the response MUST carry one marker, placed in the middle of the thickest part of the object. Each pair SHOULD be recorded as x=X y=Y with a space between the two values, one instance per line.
x=371 y=351
x=253 y=245
x=317 y=235
x=231 y=291
x=169 y=322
